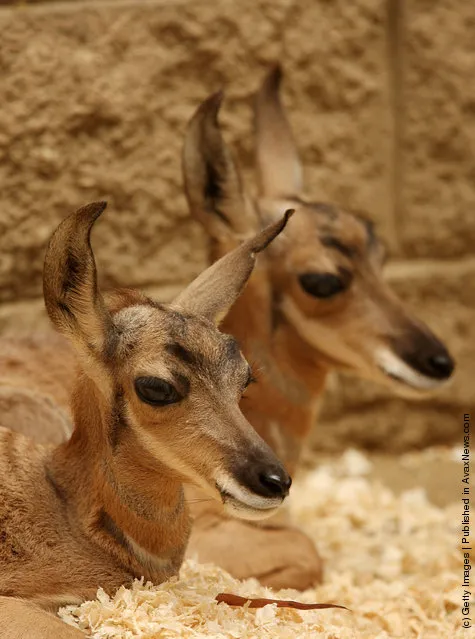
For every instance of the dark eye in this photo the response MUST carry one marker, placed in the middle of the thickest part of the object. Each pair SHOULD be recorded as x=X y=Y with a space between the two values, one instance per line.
x=324 y=285
x=156 y=391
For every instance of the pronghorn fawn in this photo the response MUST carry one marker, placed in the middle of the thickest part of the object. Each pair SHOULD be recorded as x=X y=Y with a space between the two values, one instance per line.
x=317 y=302
x=155 y=406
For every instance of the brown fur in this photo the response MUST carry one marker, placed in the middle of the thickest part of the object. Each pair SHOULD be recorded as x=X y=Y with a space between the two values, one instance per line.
x=294 y=340
x=108 y=504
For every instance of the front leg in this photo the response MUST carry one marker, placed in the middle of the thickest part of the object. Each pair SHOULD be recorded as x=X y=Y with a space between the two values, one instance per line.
x=20 y=619
x=278 y=556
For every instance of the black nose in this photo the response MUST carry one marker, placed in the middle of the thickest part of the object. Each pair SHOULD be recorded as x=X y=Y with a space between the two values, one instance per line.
x=440 y=366
x=431 y=362
x=263 y=476
x=273 y=484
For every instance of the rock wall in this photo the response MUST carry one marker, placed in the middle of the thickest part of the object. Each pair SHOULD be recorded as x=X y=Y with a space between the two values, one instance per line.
x=95 y=96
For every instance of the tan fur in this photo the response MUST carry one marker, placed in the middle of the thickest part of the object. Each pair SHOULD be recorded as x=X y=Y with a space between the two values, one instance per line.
x=294 y=340
x=108 y=504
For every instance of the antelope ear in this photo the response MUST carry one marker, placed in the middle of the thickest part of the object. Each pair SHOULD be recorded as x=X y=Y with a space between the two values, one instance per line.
x=212 y=182
x=213 y=292
x=278 y=164
x=73 y=301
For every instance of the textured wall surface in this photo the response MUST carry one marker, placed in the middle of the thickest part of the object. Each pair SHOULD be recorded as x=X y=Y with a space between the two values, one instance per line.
x=95 y=98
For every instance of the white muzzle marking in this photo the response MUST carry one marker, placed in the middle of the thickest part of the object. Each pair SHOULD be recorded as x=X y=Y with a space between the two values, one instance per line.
x=241 y=502
x=394 y=367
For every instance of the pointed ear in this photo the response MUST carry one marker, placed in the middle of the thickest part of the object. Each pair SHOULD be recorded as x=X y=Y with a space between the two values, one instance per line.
x=278 y=164
x=213 y=292
x=212 y=182
x=73 y=301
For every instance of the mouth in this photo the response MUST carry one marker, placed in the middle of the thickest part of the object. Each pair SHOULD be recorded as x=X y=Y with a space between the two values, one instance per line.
x=405 y=376
x=242 y=503
x=424 y=385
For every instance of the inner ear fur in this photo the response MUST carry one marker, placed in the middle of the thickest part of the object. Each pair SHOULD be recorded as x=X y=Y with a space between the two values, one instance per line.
x=212 y=182
x=73 y=300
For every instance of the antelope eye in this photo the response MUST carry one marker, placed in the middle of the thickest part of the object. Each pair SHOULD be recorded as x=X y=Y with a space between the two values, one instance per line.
x=324 y=285
x=156 y=391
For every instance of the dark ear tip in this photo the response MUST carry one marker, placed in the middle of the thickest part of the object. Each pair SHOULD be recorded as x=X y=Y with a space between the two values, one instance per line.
x=265 y=237
x=280 y=226
x=282 y=223
x=91 y=211
x=211 y=106
x=84 y=217
x=275 y=71
x=99 y=207
x=218 y=96
x=287 y=215
x=274 y=77
x=93 y=208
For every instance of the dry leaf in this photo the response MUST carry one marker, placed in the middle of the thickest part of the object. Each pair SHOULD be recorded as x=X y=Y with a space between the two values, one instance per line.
x=236 y=600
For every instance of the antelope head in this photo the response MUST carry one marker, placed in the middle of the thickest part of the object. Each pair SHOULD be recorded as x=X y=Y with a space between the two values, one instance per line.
x=325 y=276
x=166 y=381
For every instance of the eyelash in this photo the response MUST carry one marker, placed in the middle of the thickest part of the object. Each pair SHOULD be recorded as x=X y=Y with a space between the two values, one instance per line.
x=250 y=380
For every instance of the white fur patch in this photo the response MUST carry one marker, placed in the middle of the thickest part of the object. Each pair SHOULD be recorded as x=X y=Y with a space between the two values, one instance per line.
x=393 y=366
x=130 y=321
x=244 y=503
x=133 y=317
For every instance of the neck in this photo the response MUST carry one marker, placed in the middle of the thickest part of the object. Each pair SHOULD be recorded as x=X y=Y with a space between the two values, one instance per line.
x=121 y=497
x=284 y=404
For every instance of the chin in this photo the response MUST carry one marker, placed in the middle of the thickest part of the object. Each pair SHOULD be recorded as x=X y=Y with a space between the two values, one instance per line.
x=393 y=373
x=405 y=389
x=404 y=380
x=241 y=510
x=242 y=502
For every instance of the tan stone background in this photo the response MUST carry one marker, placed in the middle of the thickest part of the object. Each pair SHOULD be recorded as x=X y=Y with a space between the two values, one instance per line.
x=94 y=99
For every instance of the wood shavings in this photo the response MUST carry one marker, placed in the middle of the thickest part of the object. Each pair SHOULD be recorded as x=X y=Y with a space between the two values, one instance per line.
x=391 y=559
